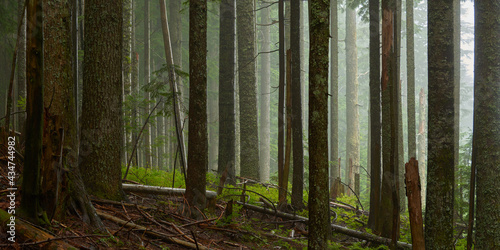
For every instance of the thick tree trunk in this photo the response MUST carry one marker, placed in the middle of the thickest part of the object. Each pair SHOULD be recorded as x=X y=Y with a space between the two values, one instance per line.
x=227 y=62
x=352 y=114
x=198 y=138
x=486 y=151
x=319 y=215
x=375 y=126
x=249 y=137
x=101 y=119
x=440 y=181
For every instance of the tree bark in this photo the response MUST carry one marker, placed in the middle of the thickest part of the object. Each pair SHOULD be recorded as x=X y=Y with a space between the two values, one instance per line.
x=334 y=102
x=375 y=125
x=410 y=80
x=486 y=149
x=30 y=192
x=441 y=174
x=352 y=114
x=227 y=62
x=319 y=219
x=249 y=137
x=412 y=180
x=198 y=138
x=101 y=119
x=21 y=64
x=265 y=97
x=298 y=147
x=148 y=159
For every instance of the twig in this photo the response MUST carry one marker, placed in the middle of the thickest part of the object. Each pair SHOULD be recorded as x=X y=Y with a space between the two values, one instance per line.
x=195 y=241
x=54 y=239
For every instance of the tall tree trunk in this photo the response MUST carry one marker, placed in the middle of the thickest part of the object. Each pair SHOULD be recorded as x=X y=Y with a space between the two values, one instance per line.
x=60 y=118
x=213 y=94
x=249 y=137
x=126 y=70
x=21 y=64
x=410 y=80
x=352 y=114
x=298 y=148
x=134 y=81
x=30 y=192
x=456 y=94
x=389 y=198
x=198 y=138
x=147 y=78
x=487 y=123
x=375 y=126
x=440 y=181
x=175 y=24
x=227 y=62
x=334 y=89
x=265 y=97
x=319 y=215
x=101 y=120
x=281 y=100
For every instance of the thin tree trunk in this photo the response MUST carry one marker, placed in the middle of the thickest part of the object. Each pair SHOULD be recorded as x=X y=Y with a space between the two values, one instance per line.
x=334 y=102
x=352 y=114
x=281 y=100
x=422 y=145
x=173 y=84
x=410 y=71
x=265 y=97
x=227 y=62
x=147 y=78
x=21 y=63
x=375 y=125
x=296 y=119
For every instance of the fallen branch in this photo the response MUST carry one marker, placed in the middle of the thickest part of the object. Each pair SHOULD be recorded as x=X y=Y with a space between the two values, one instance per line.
x=55 y=239
x=336 y=228
x=161 y=190
x=149 y=231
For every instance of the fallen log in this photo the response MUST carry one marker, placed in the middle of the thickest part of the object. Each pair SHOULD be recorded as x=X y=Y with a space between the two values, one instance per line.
x=145 y=189
x=336 y=228
x=149 y=232
x=27 y=231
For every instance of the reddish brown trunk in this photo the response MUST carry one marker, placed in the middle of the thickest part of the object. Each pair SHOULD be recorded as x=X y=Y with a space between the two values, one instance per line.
x=413 y=186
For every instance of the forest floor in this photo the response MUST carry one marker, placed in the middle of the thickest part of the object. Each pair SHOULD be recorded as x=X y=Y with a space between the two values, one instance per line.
x=164 y=226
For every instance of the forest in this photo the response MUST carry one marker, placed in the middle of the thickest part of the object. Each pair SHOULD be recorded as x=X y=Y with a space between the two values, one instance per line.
x=249 y=124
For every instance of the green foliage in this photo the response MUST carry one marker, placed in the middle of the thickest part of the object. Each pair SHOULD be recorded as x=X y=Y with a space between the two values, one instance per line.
x=21 y=103
x=154 y=177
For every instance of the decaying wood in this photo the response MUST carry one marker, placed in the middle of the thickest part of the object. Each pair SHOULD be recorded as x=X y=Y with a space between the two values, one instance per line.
x=150 y=231
x=336 y=228
x=28 y=231
x=412 y=180
x=211 y=195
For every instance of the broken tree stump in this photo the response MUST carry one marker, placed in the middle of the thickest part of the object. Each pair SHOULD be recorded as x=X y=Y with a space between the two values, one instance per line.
x=412 y=181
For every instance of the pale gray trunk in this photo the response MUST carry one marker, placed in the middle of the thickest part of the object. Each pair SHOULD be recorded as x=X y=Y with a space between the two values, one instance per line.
x=265 y=93
x=352 y=115
x=147 y=78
